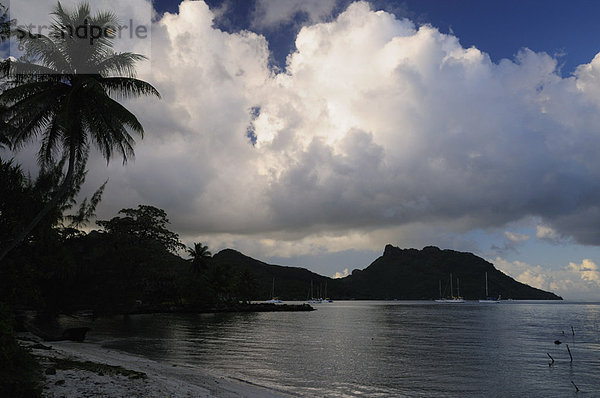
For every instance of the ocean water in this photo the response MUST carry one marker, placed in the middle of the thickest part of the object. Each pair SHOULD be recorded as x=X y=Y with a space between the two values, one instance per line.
x=382 y=349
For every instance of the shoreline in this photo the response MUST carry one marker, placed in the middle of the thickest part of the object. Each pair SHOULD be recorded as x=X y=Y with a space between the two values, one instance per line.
x=73 y=369
x=233 y=308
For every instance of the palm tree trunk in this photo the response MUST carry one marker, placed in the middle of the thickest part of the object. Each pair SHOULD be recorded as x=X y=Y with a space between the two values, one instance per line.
x=52 y=204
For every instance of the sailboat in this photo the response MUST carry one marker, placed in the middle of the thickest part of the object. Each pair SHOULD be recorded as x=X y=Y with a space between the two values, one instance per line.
x=487 y=299
x=274 y=300
x=326 y=299
x=452 y=299
x=311 y=299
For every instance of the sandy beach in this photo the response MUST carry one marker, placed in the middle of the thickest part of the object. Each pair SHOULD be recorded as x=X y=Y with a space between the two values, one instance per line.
x=74 y=369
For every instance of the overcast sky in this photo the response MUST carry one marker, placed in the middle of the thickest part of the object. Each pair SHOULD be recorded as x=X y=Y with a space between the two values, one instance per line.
x=313 y=133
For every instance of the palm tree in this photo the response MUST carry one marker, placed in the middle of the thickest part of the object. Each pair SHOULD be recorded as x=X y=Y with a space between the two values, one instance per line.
x=65 y=93
x=199 y=256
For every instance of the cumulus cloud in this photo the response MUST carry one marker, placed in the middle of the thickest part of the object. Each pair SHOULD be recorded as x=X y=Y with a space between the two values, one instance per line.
x=343 y=274
x=546 y=232
x=549 y=234
x=380 y=122
x=270 y=14
x=588 y=271
x=511 y=242
x=516 y=237
x=376 y=125
x=572 y=282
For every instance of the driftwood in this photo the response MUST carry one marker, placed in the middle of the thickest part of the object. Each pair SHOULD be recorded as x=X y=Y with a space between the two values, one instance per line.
x=571 y=356
x=576 y=388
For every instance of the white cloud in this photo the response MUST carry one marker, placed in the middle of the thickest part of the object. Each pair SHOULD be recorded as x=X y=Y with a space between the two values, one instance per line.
x=270 y=14
x=375 y=126
x=572 y=282
x=516 y=237
x=588 y=271
x=548 y=234
x=343 y=274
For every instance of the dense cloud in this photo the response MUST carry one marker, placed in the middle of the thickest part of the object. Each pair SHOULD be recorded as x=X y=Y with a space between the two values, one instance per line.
x=378 y=129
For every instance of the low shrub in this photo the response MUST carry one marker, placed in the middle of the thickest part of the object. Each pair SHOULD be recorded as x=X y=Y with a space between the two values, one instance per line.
x=19 y=371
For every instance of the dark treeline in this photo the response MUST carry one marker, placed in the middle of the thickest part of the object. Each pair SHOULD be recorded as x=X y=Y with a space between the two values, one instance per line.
x=130 y=261
x=60 y=93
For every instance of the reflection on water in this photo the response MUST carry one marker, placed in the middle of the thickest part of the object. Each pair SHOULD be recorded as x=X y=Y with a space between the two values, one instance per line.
x=382 y=348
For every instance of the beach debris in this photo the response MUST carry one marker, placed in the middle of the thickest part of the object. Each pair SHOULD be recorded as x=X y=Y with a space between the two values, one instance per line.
x=98 y=368
x=40 y=346
x=568 y=349
x=550 y=356
x=557 y=342
x=576 y=388
x=75 y=334
x=572 y=330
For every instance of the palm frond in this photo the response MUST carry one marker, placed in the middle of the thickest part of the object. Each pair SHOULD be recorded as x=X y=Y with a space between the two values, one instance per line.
x=30 y=115
x=53 y=138
x=109 y=124
x=127 y=87
x=44 y=51
x=4 y=141
x=83 y=53
x=122 y=64
x=23 y=72
x=29 y=127
x=13 y=96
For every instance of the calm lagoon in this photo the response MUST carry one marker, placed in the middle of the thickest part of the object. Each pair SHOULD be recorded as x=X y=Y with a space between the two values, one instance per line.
x=374 y=348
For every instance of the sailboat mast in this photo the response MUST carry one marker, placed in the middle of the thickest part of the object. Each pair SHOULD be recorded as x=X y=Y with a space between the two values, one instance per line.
x=458 y=287
x=486 y=286
x=440 y=283
x=451 y=290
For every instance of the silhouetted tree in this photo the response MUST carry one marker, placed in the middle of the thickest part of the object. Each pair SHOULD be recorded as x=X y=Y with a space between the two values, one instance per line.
x=144 y=224
x=63 y=95
x=245 y=286
x=199 y=257
x=217 y=277
x=39 y=270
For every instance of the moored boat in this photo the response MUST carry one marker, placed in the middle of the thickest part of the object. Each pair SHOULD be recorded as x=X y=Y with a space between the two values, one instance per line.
x=452 y=299
x=274 y=300
x=488 y=299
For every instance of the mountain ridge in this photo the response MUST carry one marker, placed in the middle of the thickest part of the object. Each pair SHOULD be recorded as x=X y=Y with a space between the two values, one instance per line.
x=403 y=274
